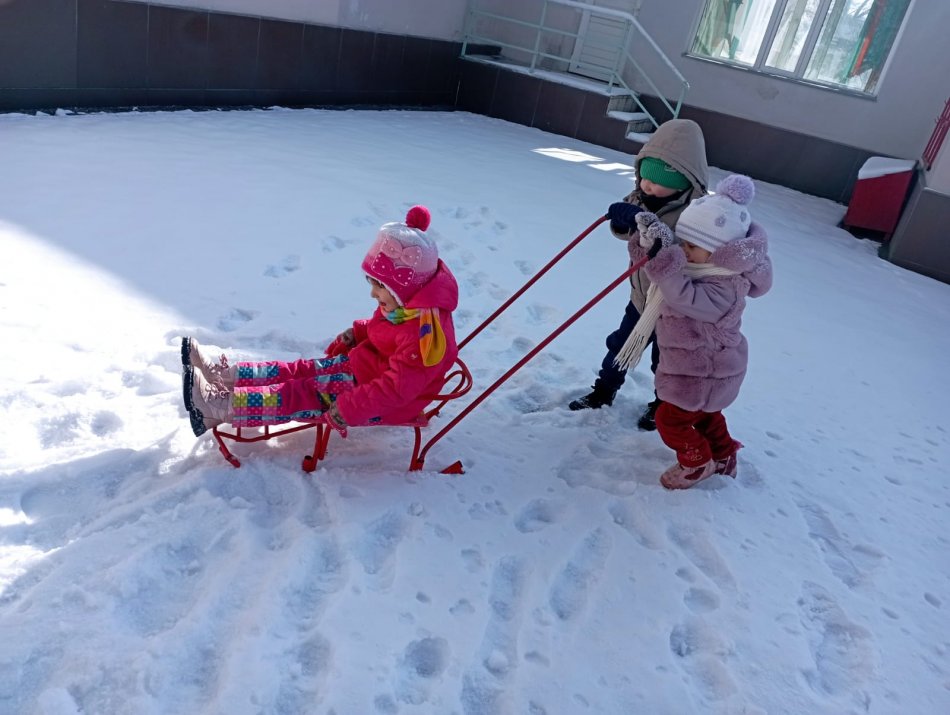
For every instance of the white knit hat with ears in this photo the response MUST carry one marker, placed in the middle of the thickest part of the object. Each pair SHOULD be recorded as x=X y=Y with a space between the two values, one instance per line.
x=713 y=221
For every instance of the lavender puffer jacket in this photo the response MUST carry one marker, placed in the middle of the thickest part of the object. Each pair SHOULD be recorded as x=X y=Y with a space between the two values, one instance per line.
x=703 y=354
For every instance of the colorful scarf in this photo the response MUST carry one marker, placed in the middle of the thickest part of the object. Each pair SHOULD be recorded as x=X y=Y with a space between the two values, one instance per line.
x=431 y=338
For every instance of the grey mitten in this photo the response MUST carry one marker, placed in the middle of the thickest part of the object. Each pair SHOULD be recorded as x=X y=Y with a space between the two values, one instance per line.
x=660 y=236
x=644 y=221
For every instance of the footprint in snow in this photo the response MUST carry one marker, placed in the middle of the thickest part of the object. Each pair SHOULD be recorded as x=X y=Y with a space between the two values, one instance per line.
x=842 y=650
x=484 y=683
x=633 y=519
x=700 y=600
x=289 y=264
x=541 y=314
x=853 y=564
x=458 y=212
x=314 y=512
x=377 y=548
x=480 y=511
x=233 y=320
x=147 y=383
x=472 y=558
x=462 y=607
x=319 y=571
x=703 y=653
x=159 y=586
x=697 y=546
x=59 y=430
x=538 y=514
x=304 y=670
x=421 y=665
x=334 y=243
x=572 y=586
x=524 y=268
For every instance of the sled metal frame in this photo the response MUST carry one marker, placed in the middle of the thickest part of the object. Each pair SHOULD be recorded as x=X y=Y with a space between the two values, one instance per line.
x=458 y=381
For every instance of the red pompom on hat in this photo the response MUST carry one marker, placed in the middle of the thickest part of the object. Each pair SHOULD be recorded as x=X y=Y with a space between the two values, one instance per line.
x=402 y=257
x=418 y=217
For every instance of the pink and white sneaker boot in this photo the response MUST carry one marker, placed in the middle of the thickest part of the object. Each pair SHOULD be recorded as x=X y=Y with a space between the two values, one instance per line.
x=680 y=477
x=219 y=372
x=728 y=466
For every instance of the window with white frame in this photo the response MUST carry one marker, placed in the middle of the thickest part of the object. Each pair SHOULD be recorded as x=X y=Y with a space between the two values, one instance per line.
x=839 y=43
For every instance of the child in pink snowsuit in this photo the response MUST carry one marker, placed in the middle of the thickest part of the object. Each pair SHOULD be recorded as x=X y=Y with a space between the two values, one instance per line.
x=701 y=278
x=382 y=370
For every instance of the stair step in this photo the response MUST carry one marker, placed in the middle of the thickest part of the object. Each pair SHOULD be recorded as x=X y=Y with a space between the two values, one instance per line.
x=628 y=116
x=639 y=137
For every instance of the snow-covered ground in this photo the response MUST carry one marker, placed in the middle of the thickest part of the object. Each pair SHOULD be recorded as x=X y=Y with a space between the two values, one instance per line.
x=141 y=574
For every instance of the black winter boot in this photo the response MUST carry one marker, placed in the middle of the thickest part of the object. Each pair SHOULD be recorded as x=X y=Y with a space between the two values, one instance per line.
x=598 y=397
x=647 y=421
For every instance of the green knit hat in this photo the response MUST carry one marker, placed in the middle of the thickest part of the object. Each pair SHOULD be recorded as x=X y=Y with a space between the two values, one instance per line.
x=659 y=172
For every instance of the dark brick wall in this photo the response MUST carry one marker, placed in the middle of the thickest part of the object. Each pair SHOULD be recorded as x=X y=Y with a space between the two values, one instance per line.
x=108 y=53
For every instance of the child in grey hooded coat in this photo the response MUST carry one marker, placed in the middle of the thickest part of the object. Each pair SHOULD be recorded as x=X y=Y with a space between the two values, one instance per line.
x=671 y=172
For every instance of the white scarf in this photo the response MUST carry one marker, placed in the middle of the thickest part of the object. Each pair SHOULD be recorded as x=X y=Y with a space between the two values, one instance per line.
x=633 y=348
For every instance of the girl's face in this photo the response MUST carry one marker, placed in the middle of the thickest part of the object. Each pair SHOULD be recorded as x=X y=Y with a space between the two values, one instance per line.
x=695 y=254
x=387 y=302
x=661 y=192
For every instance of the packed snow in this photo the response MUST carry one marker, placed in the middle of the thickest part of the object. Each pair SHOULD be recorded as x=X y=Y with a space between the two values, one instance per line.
x=142 y=574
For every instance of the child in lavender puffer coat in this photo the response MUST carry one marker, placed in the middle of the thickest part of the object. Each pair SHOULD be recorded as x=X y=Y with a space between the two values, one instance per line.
x=701 y=278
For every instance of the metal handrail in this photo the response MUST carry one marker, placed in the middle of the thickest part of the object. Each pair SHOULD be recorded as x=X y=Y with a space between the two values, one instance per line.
x=614 y=75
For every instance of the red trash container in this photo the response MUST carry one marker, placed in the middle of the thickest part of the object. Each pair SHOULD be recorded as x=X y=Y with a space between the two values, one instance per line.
x=879 y=194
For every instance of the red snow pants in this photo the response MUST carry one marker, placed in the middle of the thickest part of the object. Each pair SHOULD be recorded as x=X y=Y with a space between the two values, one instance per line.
x=696 y=436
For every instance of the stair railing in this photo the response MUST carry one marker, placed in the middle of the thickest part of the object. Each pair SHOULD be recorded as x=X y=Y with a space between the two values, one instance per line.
x=497 y=27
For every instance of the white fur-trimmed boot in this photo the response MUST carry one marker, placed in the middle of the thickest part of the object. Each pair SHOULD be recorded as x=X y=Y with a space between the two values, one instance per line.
x=220 y=371
x=208 y=403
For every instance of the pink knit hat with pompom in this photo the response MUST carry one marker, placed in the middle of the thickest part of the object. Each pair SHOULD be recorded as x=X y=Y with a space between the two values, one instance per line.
x=713 y=221
x=402 y=257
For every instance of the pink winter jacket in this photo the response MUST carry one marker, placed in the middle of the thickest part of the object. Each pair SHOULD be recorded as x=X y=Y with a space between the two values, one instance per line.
x=392 y=384
x=703 y=354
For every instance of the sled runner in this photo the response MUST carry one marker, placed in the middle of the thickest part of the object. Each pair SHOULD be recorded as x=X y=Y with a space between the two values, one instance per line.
x=458 y=382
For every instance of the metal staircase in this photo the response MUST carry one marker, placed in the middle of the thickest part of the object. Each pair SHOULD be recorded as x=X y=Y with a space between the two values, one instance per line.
x=580 y=44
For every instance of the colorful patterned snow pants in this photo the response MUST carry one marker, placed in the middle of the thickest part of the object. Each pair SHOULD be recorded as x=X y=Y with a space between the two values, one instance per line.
x=267 y=393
